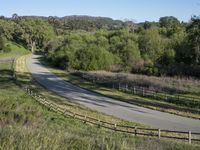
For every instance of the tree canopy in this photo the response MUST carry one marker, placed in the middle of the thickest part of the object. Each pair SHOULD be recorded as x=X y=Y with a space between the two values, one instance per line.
x=166 y=47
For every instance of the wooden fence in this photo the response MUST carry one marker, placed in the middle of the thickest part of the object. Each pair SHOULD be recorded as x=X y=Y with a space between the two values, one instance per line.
x=188 y=101
x=9 y=70
x=190 y=137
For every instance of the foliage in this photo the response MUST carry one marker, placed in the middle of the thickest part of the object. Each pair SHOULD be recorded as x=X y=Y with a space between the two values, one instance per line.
x=1 y=43
x=151 y=44
x=193 y=32
x=95 y=43
x=24 y=123
x=12 y=49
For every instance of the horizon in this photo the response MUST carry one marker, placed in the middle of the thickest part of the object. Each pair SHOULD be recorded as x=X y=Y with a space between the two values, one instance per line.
x=124 y=20
x=137 y=11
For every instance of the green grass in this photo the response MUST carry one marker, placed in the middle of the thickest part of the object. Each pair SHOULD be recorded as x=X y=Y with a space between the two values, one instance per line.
x=25 y=124
x=26 y=80
x=135 y=99
x=6 y=69
x=16 y=50
x=5 y=66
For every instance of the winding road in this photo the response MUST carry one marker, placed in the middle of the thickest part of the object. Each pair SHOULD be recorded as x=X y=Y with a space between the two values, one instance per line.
x=107 y=105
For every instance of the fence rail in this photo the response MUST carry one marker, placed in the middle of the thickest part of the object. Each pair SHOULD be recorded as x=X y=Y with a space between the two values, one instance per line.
x=134 y=130
x=189 y=136
x=8 y=70
x=188 y=101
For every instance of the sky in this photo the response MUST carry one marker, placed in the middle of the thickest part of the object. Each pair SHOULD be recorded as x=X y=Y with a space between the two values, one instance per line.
x=136 y=10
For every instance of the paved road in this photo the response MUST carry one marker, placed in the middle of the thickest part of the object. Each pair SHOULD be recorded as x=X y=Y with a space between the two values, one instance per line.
x=107 y=105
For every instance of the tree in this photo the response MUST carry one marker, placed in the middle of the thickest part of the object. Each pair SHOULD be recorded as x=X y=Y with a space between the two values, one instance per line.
x=15 y=16
x=169 y=25
x=36 y=32
x=169 y=22
x=193 y=31
x=125 y=46
x=151 y=44
x=1 y=39
x=1 y=43
x=93 y=58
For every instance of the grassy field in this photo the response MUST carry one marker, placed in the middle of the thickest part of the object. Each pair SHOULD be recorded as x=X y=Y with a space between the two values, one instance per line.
x=135 y=99
x=24 y=124
x=15 y=50
x=165 y=84
x=25 y=78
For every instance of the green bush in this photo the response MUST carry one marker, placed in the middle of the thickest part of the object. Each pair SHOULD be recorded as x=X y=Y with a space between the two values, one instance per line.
x=1 y=43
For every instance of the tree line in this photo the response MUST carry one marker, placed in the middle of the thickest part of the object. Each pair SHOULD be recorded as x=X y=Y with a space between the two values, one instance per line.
x=166 y=47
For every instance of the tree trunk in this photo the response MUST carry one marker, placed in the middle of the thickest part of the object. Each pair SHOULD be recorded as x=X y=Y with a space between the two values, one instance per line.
x=32 y=46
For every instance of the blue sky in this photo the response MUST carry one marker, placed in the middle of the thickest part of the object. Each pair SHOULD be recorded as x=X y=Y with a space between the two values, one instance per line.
x=137 y=10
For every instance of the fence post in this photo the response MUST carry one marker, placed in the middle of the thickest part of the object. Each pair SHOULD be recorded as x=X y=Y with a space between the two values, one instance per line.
x=99 y=123
x=189 y=137
x=135 y=131
x=119 y=86
x=115 y=127
x=154 y=94
x=50 y=106
x=134 y=91
x=159 y=133
x=85 y=119
x=143 y=92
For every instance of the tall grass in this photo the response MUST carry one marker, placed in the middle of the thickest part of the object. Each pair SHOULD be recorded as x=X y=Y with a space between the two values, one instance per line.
x=166 y=84
x=14 y=50
x=24 y=124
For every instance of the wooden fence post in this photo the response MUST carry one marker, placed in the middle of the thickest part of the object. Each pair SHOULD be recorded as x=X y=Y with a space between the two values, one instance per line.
x=143 y=92
x=134 y=90
x=99 y=123
x=189 y=137
x=135 y=129
x=115 y=127
x=85 y=119
x=159 y=133
x=126 y=87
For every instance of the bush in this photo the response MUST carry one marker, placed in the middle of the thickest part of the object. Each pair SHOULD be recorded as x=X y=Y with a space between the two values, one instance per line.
x=7 y=48
x=1 y=43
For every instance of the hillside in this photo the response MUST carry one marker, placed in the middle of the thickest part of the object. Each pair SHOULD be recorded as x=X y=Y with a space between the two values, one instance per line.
x=24 y=121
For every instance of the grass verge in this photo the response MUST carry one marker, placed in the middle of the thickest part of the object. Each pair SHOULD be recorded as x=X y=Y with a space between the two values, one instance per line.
x=26 y=125
x=130 y=98
x=13 y=50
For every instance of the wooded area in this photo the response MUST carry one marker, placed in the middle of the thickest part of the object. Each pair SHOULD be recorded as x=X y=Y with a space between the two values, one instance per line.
x=168 y=47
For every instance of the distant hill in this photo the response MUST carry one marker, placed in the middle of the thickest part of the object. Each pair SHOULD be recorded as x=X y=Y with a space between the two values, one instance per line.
x=88 y=22
x=82 y=22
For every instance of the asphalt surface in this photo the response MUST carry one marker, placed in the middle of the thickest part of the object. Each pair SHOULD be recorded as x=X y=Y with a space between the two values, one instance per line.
x=107 y=105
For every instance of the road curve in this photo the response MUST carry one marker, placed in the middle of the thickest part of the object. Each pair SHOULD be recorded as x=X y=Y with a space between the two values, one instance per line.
x=107 y=105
